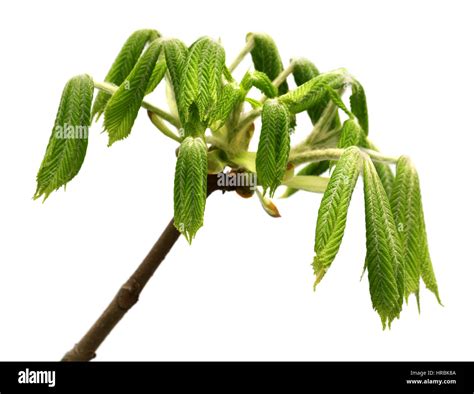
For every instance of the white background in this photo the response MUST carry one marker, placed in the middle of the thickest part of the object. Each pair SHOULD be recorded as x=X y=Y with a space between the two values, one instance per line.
x=243 y=290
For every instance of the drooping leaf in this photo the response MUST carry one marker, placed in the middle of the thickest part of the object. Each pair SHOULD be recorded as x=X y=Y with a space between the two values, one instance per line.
x=384 y=259
x=190 y=186
x=157 y=75
x=359 y=105
x=314 y=92
x=260 y=81
x=405 y=202
x=408 y=214
x=427 y=271
x=350 y=134
x=314 y=169
x=333 y=210
x=68 y=142
x=176 y=53
x=303 y=71
x=266 y=58
x=384 y=171
x=274 y=145
x=122 y=109
x=123 y=64
x=201 y=83
x=229 y=97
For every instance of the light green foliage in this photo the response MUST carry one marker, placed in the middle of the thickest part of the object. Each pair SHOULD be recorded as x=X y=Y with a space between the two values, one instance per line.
x=332 y=212
x=157 y=75
x=122 y=108
x=314 y=92
x=260 y=81
x=213 y=119
x=359 y=105
x=201 y=84
x=350 y=134
x=68 y=142
x=384 y=171
x=408 y=214
x=266 y=58
x=229 y=97
x=123 y=64
x=190 y=186
x=384 y=258
x=274 y=145
x=176 y=53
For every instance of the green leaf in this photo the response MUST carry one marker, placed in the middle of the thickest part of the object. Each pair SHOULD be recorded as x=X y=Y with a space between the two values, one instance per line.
x=359 y=105
x=229 y=97
x=274 y=145
x=68 y=142
x=408 y=214
x=384 y=254
x=384 y=171
x=266 y=58
x=317 y=168
x=303 y=70
x=314 y=92
x=123 y=64
x=190 y=186
x=350 y=134
x=157 y=75
x=427 y=271
x=201 y=83
x=405 y=202
x=333 y=211
x=123 y=107
x=176 y=53
x=386 y=176
x=260 y=81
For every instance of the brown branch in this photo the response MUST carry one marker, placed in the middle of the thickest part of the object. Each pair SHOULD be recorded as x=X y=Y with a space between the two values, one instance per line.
x=130 y=291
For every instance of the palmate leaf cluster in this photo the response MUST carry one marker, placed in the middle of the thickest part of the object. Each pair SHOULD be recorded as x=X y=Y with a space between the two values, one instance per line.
x=212 y=117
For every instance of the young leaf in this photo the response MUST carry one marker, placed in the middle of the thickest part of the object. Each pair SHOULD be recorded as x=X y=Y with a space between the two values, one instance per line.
x=383 y=170
x=314 y=92
x=201 y=82
x=260 y=81
x=384 y=254
x=303 y=70
x=274 y=145
x=229 y=97
x=266 y=58
x=124 y=105
x=332 y=212
x=123 y=64
x=157 y=75
x=359 y=105
x=426 y=268
x=408 y=214
x=405 y=201
x=350 y=134
x=175 y=54
x=317 y=168
x=68 y=142
x=190 y=186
